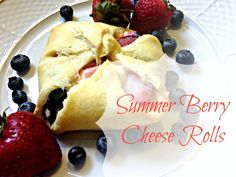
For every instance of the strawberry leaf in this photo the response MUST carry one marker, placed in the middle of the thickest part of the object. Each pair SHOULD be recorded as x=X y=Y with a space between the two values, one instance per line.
x=112 y=12
x=169 y=5
x=3 y=119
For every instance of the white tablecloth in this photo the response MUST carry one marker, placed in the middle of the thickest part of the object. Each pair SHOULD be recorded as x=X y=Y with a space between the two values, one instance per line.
x=217 y=17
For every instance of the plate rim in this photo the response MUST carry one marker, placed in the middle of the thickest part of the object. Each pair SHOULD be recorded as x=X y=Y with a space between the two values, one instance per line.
x=208 y=37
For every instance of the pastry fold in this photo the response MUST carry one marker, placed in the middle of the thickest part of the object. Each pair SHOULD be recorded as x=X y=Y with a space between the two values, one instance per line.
x=73 y=45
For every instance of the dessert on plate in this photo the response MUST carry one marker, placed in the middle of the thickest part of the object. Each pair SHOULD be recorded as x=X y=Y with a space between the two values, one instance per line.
x=71 y=91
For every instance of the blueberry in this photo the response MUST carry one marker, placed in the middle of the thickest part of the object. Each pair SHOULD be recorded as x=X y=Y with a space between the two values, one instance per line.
x=77 y=155
x=177 y=129
x=54 y=106
x=27 y=106
x=175 y=96
x=50 y=113
x=177 y=18
x=52 y=117
x=172 y=78
x=57 y=96
x=19 y=96
x=66 y=12
x=159 y=35
x=15 y=83
x=185 y=57
x=102 y=144
x=169 y=46
x=190 y=117
x=20 y=63
x=133 y=135
x=179 y=134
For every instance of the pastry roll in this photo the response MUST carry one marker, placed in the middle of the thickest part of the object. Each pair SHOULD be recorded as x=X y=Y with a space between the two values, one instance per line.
x=72 y=93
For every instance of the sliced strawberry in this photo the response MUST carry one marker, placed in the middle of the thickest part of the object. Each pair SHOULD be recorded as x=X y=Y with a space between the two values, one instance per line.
x=88 y=72
x=90 y=64
x=128 y=38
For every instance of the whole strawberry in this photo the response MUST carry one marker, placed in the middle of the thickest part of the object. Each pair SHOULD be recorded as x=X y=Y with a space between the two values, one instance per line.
x=113 y=12
x=27 y=146
x=151 y=14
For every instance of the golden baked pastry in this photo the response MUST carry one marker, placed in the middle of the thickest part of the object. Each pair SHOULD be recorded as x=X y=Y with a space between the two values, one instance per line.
x=72 y=48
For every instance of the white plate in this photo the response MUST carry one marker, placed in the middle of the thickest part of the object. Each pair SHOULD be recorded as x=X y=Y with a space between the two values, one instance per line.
x=190 y=36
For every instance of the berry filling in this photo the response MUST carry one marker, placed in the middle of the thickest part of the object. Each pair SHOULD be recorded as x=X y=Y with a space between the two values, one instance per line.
x=128 y=38
x=89 y=69
x=90 y=64
x=54 y=104
x=88 y=72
